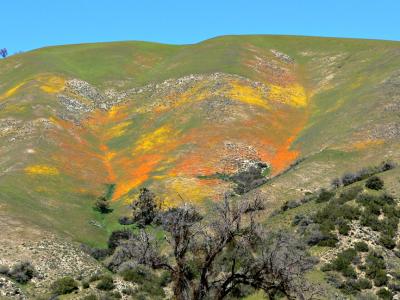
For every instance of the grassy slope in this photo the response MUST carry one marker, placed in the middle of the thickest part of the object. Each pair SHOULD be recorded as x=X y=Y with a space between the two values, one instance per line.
x=343 y=79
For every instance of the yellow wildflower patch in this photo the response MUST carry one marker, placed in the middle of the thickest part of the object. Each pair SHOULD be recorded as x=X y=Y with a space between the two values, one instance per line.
x=189 y=189
x=118 y=129
x=157 y=138
x=247 y=94
x=51 y=84
x=11 y=91
x=293 y=94
x=41 y=170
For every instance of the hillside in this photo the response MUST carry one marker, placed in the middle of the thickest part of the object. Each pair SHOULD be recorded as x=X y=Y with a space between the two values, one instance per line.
x=181 y=119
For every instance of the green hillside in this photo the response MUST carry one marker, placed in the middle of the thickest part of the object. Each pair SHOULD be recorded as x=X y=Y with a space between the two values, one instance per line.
x=76 y=118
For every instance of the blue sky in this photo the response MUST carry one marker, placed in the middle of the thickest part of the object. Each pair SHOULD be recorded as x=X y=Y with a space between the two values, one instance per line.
x=30 y=24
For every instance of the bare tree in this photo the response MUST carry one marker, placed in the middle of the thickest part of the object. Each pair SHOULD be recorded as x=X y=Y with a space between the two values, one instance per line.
x=3 y=52
x=210 y=257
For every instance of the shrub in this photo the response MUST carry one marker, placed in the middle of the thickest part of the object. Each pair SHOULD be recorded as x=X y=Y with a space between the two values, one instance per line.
x=373 y=264
x=374 y=183
x=370 y=220
x=126 y=221
x=249 y=179
x=117 y=236
x=138 y=275
x=115 y=295
x=290 y=205
x=165 y=279
x=349 y=178
x=145 y=208
x=364 y=283
x=63 y=286
x=361 y=246
x=106 y=283
x=95 y=277
x=387 y=241
x=380 y=278
x=334 y=280
x=85 y=284
x=22 y=272
x=350 y=287
x=336 y=183
x=90 y=297
x=128 y=291
x=344 y=228
x=324 y=196
x=384 y=294
x=342 y=263
x=97 y=253
x=387 y=165
x=394 y=286
x=4 y=269
x=349 y=194
x=349 y=272
x=103 y=206
x=148 y=282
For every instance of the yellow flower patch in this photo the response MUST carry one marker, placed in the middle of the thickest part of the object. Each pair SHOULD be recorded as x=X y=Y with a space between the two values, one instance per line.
x=247 y=94
x=11 y=91
x=118 y=130
x=41 y=170
x=153 y=140
x=293 y=94
x=51 y=84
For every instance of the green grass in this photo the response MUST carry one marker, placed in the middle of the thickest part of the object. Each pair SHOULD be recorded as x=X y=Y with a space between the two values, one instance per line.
x=338 y=114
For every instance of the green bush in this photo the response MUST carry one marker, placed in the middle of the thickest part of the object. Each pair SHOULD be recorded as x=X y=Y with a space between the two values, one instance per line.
x=90 y=297
x=344 y=228
x=349 y=194
x=374 y=263
x=349 y=272
x=374 y=183
x=361 y=246
x=102 y=206
x=106 y=283
x=364 y=284
x=350 y=287
x=324 y=196
x=95 y=277
x=150 y=285
x=387 y=241
x=128 y=291
x=380 y=278
x=138 y=275
x=384 y=294
x=114 y=295
x=342 y=263
x=4 y=269
x=65 y=285
x=22 y=272
x=370 y=220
